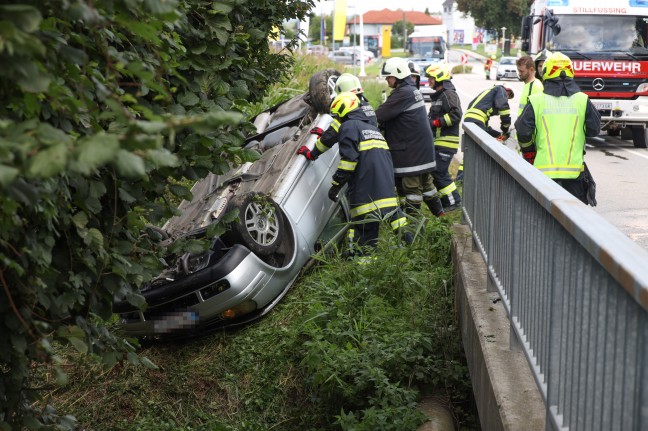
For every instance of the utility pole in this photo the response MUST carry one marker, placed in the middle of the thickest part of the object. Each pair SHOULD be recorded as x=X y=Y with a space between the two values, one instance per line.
x=404 y=33
x=362 y=45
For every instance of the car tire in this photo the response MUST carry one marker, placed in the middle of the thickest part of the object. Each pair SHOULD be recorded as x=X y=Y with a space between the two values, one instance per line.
x=319 y=91
x=260 y=223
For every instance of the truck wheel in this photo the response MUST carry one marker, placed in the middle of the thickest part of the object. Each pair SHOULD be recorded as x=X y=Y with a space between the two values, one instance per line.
x=613 y=132
x=626 y=133
x=319 y=90
x=639 y=137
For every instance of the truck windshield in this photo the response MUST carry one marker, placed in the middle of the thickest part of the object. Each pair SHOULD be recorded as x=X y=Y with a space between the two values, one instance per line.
x=597 y=33
x=426 y=47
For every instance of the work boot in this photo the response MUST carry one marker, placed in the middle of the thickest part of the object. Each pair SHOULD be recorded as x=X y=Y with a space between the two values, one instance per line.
x=435 y=206
x=411 y=208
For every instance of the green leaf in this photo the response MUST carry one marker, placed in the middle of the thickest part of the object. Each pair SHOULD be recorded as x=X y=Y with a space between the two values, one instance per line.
x=94 y=238
x=130 y=165
x=148 y=363
x=152 y=126
x=78 y=344
x=80 y=220
x=7 y=174
x=189 y=99
x=32 y=79
x=95 y=151
x=49 y=162
x=162 y=158
x=136 y=300
x=27 y=18
x=160 y=7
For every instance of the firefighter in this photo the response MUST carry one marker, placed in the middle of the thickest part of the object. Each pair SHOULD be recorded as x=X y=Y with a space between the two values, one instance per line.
x=404 y=120
x=488 y=64
x=553 y=126
x=539 y=61
x=366 y=166
x=329 y=137
x=415 y=73
x=527 y=73
x=445 y=116
x=492 y=101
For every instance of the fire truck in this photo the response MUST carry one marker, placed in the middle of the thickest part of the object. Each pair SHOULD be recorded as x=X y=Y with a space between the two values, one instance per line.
x=607 y=43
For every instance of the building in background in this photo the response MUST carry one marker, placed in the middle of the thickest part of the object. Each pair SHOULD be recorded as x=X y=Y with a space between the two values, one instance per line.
x=461 y=27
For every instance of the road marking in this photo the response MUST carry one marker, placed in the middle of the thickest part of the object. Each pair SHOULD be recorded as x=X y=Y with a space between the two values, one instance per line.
x=634 y=153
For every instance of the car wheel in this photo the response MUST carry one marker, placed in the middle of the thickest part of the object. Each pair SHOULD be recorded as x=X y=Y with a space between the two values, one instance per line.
x=319 y=90
x=260 y=224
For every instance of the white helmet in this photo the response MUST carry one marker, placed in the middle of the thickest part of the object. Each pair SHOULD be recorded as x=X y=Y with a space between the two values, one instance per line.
x=348 y=82
x=396 y=67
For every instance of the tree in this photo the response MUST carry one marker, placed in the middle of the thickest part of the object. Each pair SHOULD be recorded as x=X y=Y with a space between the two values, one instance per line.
x=495 y=14
x=109 y=108
x=315 y=27
x=397 y=28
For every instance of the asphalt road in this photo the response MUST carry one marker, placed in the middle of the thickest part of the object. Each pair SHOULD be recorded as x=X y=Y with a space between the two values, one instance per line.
x=620 y=170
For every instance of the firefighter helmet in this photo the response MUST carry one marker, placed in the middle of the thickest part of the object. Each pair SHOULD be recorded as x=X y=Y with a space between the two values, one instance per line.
x=493 y=57
x=438 y=72
x=396 y=67
x=414 y=69
x=348 y=82
x=558 y=65
x=344 y=103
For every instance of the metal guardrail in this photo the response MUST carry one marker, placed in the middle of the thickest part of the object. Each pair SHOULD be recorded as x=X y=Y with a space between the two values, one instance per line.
x=575 y=289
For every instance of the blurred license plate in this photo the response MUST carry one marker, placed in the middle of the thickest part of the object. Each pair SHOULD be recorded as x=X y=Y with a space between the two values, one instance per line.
x=602 y=105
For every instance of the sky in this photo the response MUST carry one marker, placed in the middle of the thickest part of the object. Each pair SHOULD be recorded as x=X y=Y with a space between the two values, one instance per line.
x=419 y=5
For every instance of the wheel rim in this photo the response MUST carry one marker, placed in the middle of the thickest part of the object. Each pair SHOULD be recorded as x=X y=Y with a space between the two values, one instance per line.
x=261 y=223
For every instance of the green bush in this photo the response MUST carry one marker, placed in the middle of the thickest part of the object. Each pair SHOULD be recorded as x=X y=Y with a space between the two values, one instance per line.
x=461 y=68
x=109 y=107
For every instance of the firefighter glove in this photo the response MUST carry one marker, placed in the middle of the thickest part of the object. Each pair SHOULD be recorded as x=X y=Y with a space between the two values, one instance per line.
x=334 y=192
x=304 y=151
x=436 y=122
x=529 y=156
x=317 y=131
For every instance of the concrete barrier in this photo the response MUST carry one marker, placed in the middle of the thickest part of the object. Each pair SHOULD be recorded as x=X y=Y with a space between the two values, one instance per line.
x=506 y=394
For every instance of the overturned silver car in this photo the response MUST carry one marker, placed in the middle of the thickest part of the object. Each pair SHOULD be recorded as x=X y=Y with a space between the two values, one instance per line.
x=284 y=217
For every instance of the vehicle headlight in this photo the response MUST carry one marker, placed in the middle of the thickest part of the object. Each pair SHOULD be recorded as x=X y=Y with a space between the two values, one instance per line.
x=643 y=88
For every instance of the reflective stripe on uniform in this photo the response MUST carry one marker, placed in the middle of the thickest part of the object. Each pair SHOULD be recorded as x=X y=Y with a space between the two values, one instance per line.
x=373 y=206
x=398 y=223
x=447 y=190
x=321 y=147
x=414 y=198
x=346 y=165
x=477 y=114
x=414 y=168
x=373 y=144
x=416 y=105
x=447 y=120
x=447 y=142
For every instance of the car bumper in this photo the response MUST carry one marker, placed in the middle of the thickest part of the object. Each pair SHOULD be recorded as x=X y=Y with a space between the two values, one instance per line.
x=507 y=75
x=632 y=112
x=199 y=300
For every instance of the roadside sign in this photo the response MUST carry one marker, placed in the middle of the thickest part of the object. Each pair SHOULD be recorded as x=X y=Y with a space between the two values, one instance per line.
x=464 y=59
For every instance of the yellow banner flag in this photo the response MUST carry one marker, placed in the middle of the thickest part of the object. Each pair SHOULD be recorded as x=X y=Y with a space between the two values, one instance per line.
x=339 y=19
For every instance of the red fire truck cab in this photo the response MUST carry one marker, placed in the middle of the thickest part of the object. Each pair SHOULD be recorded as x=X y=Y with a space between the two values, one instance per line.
x=607 y=43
